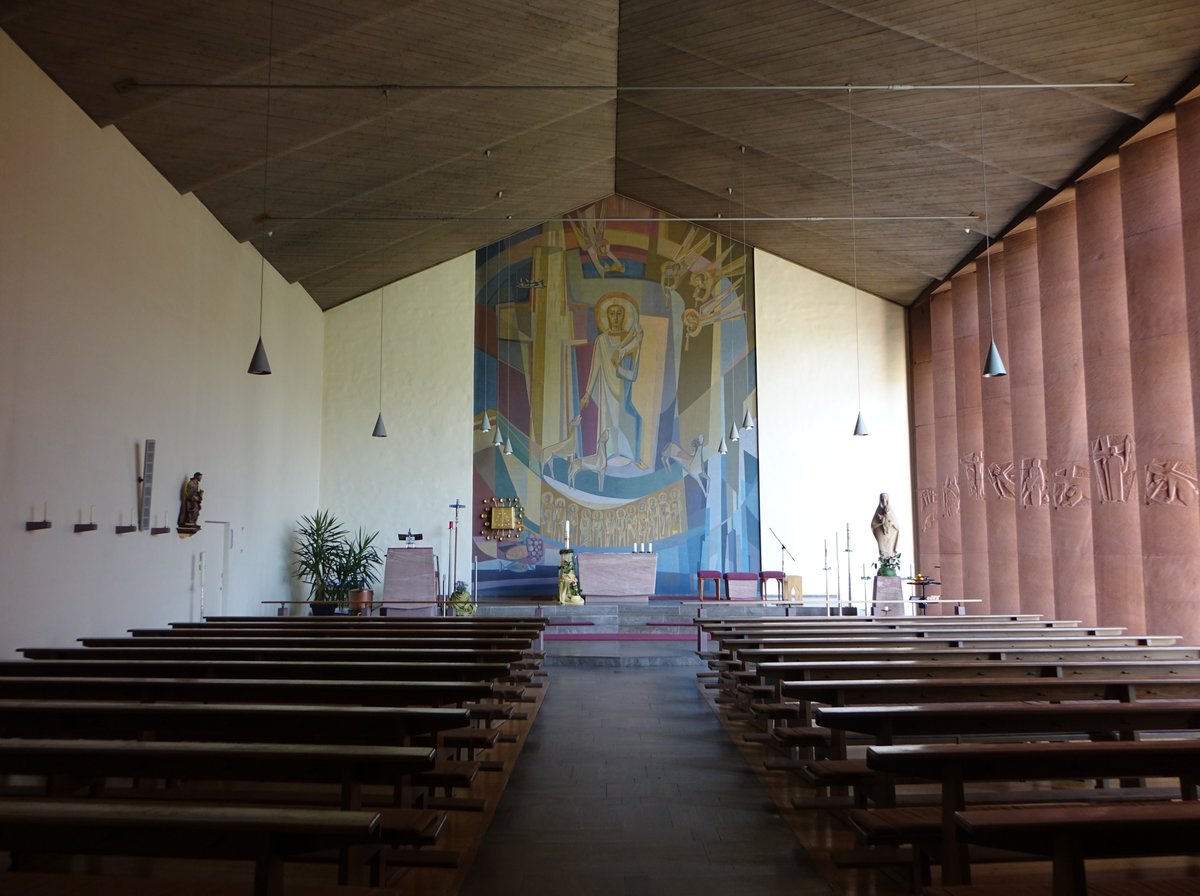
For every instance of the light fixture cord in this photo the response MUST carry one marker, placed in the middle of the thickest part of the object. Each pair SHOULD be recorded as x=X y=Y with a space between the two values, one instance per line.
x=987 y=220
x=266 y=160
x=854 y=240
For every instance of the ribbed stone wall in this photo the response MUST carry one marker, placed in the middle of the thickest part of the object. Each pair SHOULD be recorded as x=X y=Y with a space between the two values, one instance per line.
x=1069 y=487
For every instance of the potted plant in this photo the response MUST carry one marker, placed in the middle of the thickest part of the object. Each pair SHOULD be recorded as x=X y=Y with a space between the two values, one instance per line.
x=358 y=570
x=320 y=545
x=888 y=565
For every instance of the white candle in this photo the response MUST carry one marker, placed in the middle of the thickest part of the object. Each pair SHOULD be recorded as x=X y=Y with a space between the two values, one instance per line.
x=202 y=569
x=567 y=534
x=45 y=511
x=649 y=547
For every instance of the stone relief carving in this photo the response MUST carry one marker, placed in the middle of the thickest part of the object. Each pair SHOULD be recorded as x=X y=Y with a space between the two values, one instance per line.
x=973 y=474
x=1112 y=461
x=1004 y=485
x=929 y=505
x=1170 y=482
x=1070 y=485
x=1034 y=492
x=951 y=498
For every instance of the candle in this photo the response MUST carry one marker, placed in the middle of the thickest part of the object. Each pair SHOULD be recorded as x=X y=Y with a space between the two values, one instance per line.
x=202 y=569
x=567 y=534
x=45 y=511
x=649 y=547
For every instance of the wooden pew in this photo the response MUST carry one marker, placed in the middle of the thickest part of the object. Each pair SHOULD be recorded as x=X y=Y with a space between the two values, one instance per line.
x=261 y=669
x=1106 y=719
x=1069 y=835
x=227 y=722
x=348 y=766
x=900 y=668
x=456 y=621
x=378 y=641
x=276 y=654
x=241 y=690
x=952 y=766
x=268 y=837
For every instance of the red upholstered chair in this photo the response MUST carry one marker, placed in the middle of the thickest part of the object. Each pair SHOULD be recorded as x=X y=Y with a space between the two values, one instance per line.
x=706 y=575
x=775 y=575
x=736 y=589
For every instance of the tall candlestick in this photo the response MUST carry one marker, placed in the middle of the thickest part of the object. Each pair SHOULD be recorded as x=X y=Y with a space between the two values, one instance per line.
x=567 y=534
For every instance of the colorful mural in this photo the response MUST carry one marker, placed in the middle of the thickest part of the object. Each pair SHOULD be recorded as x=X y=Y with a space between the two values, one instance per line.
x=614 y=358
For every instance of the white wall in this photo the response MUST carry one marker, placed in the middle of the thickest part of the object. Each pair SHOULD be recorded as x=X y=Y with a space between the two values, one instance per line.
x=816 y=476
x=127 y=312
x=410 y=479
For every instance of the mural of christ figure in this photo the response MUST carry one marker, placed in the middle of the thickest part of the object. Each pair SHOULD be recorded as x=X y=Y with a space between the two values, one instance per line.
x=615 y=356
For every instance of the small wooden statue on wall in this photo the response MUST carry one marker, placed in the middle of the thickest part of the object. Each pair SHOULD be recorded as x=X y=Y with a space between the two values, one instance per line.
x=191 y=496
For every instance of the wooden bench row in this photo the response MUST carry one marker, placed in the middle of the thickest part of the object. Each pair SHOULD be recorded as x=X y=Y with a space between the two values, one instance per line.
x=366 y=737
x=1121 y=692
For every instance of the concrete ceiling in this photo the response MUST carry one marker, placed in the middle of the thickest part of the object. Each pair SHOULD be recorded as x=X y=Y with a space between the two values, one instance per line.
x=501 y=115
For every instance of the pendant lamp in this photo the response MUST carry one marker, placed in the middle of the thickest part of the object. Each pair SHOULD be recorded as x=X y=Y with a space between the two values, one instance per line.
x=993 y=366
x=860 y=428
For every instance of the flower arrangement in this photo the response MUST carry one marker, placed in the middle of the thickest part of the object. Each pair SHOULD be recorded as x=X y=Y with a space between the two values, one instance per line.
x=460 y=600
x=888 y=564
x=569 y=591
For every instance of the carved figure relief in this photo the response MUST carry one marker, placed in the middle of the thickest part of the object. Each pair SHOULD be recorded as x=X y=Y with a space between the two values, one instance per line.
x=1070 y=485
x=951 y=500
x=1034 y=492
x=973 y=474
x=929 y=505
x=1170 y=482
x=1004 y=485
x=1112 y=461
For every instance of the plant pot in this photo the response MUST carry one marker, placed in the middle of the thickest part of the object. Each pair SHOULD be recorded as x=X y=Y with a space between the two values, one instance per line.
x=361 y=600
x=323 y=607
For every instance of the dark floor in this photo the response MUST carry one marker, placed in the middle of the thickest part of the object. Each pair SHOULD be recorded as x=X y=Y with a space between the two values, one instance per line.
x=629 y=785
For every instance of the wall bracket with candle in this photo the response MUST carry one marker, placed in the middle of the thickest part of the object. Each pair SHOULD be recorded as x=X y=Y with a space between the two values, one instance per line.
x=160 y=530
x=33 y=525
x=86 y=527
x=125 y=530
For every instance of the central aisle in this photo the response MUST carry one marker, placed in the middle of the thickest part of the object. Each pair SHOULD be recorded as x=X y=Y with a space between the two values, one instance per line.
x=629 y=785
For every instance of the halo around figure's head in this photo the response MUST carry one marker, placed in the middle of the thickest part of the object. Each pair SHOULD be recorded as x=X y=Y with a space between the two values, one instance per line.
x=621 y=300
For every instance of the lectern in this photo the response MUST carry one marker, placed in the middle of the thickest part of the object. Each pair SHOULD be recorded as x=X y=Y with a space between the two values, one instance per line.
x=410 y=583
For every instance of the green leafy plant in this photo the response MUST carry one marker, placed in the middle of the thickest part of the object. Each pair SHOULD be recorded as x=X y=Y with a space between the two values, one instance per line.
x=888 y=565
x=319 y=556
x=359 y=563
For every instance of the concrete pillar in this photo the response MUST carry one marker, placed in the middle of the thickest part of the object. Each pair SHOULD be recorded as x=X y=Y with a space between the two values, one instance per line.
x=968 y=365
x=1030 y=468
x=1104 y=318
x=1162 y=384
x=926 y=507
x=1066 y=415
x=1001 y=501
x=945 y=412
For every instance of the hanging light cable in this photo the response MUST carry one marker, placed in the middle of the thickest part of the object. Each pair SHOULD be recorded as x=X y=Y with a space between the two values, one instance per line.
x=993 y=366
x=734 y=436
x=259 y=365
x=747 y=419
x=860 y=426
x=508 y=378
x=380 y=431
